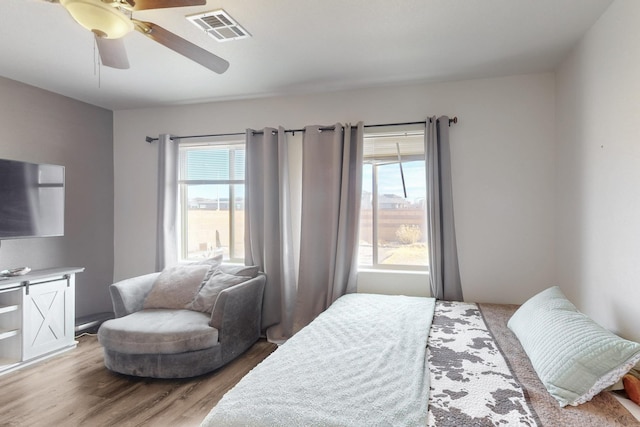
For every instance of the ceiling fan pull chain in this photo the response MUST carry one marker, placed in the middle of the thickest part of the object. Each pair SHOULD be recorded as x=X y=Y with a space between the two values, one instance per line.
x=97 y=69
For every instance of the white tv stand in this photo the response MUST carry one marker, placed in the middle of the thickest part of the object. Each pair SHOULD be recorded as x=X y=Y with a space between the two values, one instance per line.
x=37 y=316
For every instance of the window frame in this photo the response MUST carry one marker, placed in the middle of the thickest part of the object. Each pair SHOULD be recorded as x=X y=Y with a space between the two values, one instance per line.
x=183 y=202
x=375 y=162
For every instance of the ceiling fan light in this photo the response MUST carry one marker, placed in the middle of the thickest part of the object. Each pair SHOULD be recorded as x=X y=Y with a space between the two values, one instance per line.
x=101 y=18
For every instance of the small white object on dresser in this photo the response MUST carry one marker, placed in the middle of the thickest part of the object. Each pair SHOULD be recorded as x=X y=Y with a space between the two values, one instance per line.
x=37 y=316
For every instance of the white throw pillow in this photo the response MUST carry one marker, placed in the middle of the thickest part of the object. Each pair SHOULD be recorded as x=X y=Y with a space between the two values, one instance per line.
x=176 y=286
x=213 y=261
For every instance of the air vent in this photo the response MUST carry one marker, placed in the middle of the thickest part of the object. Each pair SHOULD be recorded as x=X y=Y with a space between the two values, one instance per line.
x=219 y=25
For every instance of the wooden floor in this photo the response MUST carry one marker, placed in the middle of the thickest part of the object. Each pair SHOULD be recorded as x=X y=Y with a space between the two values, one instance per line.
x=75 y=389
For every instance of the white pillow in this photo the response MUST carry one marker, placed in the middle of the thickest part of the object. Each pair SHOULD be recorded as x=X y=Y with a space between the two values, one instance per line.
x=213 y=263
x=574 y=357
x=176 y=286
x=206 y=297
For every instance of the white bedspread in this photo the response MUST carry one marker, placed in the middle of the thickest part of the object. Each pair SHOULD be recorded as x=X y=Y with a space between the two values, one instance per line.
x=360 y=363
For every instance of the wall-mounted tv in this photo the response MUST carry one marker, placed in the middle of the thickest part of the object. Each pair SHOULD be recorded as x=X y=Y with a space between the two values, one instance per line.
x=31 y=200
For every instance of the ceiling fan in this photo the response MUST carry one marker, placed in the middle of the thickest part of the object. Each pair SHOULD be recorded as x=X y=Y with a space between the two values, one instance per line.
x=111 y=20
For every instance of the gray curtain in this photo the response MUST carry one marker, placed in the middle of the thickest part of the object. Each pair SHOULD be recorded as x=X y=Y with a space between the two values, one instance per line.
x=331 y=187
x=167 y=233
x=444 y=273
x=268 y=239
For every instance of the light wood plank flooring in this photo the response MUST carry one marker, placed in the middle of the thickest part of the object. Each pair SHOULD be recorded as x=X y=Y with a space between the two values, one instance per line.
x=75 y=389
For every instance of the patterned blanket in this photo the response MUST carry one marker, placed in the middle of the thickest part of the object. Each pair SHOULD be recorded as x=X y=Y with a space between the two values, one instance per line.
x=471 y=383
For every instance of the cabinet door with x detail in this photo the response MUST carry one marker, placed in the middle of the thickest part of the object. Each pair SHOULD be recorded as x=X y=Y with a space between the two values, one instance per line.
x=48 y=317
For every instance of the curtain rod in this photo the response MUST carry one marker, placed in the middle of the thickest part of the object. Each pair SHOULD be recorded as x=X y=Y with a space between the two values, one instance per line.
x=150 y=139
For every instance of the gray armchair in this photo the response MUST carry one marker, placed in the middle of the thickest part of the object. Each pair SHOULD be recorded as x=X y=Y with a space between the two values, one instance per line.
x=168 y=343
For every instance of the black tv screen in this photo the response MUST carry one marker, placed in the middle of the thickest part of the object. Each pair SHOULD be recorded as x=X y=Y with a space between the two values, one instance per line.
x=31 y=200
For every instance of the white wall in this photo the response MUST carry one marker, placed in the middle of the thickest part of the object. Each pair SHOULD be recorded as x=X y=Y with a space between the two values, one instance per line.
x=598 y=134
x=503 y=168
x=43 y=127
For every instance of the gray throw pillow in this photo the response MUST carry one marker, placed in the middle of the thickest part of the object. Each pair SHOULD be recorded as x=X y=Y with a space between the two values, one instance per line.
x=207 y=295
x=213 y=263
x=240 y=270
x=176 y=286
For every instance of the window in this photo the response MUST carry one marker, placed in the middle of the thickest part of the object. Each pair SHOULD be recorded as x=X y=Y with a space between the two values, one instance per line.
x=393 y=212
x=211 y=200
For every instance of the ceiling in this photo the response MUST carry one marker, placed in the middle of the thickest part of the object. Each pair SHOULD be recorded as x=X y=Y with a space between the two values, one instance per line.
x=297 y=46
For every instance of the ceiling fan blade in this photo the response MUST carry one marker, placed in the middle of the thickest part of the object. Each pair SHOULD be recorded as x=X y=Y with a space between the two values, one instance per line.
x=182 y=46
x=112 y=52
x=161 y=4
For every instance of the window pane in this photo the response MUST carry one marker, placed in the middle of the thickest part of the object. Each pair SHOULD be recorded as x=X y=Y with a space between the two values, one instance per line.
x=207 y=222
x=238 y=223
x=392 y=217
x=365 y=250
x=401 y=220
x=212 y=210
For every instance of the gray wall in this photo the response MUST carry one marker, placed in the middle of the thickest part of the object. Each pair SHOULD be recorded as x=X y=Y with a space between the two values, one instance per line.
x=43 y=127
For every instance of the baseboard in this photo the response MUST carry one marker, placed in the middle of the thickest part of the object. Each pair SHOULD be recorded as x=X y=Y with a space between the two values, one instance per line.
x=91 y=323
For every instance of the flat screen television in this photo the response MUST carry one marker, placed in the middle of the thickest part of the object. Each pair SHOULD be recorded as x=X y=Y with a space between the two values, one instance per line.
x=31 y=200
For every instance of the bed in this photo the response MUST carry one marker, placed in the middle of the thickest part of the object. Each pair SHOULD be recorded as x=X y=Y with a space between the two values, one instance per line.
x=374 y=360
